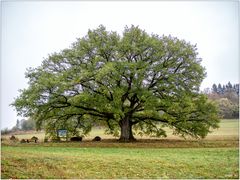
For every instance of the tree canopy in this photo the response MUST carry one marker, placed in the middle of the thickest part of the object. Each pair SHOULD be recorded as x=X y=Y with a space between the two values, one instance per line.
x=134 y=81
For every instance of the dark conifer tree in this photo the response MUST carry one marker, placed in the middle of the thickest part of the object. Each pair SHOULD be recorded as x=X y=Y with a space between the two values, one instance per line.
x=224 y=89
x=214 y=88
x=219 y=89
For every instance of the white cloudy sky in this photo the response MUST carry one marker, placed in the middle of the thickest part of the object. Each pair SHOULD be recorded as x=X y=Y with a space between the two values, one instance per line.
x=32 y=30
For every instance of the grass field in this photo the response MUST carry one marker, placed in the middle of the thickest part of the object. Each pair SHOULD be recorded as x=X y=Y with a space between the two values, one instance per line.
x=217 y=156
x=65 y=162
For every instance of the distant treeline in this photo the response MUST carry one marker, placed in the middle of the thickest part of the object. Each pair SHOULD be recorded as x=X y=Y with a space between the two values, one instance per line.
x=225 y=88
x=21 y=125
x=226 y=96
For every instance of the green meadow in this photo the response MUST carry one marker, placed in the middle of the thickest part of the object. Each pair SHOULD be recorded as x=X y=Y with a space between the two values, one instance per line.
x=216 y=157
x=69 y=162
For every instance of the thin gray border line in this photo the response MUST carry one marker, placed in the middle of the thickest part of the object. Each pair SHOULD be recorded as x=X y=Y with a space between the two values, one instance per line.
x=120 y=1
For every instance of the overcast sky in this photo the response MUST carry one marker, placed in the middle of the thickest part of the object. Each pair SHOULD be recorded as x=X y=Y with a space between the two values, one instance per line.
x=32 y=30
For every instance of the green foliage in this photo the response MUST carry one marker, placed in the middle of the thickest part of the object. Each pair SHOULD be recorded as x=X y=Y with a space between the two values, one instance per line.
x=134 y=80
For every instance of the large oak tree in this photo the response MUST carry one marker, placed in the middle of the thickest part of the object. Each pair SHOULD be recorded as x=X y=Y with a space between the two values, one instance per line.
x=130 y=81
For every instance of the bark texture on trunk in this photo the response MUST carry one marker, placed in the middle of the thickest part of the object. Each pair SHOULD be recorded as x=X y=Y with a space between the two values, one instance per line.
x=126 y=131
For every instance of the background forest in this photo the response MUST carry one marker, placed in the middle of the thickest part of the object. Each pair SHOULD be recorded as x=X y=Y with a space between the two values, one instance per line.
x=226 y=96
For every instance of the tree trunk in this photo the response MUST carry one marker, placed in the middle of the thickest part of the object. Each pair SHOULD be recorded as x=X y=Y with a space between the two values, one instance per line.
x=126 y=130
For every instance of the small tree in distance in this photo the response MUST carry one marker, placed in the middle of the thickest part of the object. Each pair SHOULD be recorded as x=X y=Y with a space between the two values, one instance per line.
x=136 y=80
